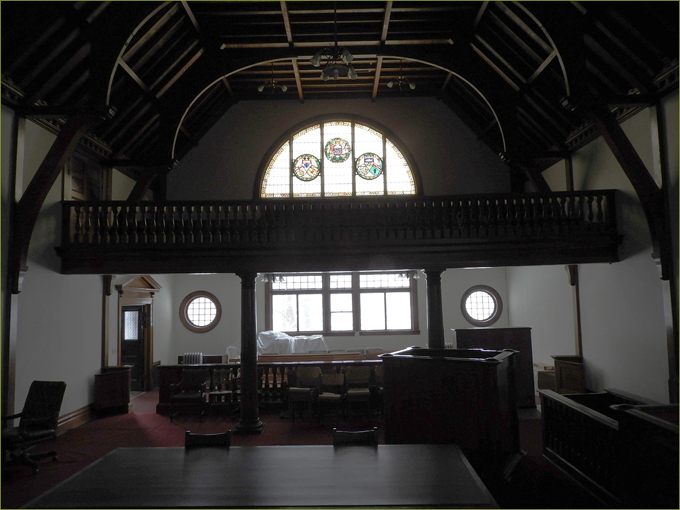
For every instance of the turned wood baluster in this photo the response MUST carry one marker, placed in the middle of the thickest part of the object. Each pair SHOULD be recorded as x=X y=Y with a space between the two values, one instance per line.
x=116 y=228
x=142 y=225
x=100 y=225
x=77 y=224
x=483 y=217
x=169 y=219
x=600 y=213
x=264 y=382
x=123 y=224
x=189 y=220
x=473 y=218
x=178 y=223
x=590 y=212
x=224 y=224
x=131 y=214
x=88 y=227
x=213 y=223
x=159 y=212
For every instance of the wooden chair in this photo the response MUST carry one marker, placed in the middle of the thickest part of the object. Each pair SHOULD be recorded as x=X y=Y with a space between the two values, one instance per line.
x=191 y=390
x=305 y=390
x=359 y=437
x=222 y=390
x=220 y=440
x=37 y=423
x=357 y=380
x=332 y=394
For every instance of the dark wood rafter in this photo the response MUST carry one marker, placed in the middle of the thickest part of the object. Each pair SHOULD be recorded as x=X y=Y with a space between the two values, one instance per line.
x=383 y=39
x=289 y=37
x=28 y=207
x=639 y=176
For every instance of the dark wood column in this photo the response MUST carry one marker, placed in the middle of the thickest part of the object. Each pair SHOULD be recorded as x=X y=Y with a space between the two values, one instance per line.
x=435 y=316
x=250 y=422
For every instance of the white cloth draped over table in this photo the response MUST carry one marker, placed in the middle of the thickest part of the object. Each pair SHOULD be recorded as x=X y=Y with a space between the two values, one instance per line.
x=276 y=342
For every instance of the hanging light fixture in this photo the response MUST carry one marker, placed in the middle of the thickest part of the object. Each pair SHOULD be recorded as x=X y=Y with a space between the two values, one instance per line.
x=401 y=81
x=337 y=58
x=271 y=85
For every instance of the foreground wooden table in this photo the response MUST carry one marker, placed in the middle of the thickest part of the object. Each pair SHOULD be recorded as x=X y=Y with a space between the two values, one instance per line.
x=392 y=476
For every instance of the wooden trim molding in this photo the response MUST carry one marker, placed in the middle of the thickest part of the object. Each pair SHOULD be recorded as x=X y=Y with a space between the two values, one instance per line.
x=75 y=418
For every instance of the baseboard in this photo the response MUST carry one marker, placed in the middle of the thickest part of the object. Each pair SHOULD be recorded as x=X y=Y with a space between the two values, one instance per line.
x=75 y=418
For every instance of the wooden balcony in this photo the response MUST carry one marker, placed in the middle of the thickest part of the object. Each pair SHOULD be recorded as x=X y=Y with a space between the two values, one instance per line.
x=316 y=235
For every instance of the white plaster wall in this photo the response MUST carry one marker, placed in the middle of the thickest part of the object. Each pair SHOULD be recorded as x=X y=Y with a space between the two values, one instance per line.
x=7 y=190
x=541 y=298
x=59 y=319
x=455 y=282
x=450 y=158
x=121 y=185
x=227 y=289
x=163 y=311
x=624 y=342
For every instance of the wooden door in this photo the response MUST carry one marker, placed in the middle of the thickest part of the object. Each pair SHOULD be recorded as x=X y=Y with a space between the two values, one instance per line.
x=134 y=320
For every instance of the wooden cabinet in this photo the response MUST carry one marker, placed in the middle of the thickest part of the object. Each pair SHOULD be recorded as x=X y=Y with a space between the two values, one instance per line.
x=112 y=390
x=518 y=339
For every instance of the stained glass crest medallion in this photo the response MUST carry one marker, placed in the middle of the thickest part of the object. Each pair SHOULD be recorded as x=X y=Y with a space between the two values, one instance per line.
x=369 y=166
x=337 y=150
x=306 y=167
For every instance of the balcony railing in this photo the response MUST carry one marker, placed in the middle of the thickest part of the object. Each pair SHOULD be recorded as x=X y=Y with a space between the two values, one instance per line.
x=244 y=223
x=332 y=224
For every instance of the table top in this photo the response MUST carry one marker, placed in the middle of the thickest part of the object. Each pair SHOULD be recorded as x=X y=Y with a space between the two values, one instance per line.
x=413 y=475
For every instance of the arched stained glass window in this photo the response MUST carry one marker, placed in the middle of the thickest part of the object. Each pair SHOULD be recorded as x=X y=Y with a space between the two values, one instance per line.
x=337 y=158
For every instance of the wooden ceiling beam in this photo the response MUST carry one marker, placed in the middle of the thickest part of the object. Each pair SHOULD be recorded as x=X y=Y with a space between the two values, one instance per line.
x=190 y=14
x=29 y=205
x=376 y=79
x=131 y=52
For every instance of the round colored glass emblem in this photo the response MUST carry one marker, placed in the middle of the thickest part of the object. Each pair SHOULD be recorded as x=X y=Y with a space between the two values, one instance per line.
x=337 y=150
x=369 y=166
x=307 y=167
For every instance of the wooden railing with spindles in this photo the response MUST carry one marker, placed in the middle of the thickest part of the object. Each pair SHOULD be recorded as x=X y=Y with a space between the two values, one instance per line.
x=327 y=224
x=276 y=222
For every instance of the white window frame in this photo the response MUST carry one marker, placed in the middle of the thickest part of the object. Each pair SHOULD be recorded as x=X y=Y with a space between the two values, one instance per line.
x=355 y=291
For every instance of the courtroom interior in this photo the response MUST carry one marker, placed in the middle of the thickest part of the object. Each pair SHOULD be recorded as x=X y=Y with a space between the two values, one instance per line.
x=207 y=203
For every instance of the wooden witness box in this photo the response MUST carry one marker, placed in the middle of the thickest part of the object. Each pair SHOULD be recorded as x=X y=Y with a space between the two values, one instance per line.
x=462 y=396
x=518 y=339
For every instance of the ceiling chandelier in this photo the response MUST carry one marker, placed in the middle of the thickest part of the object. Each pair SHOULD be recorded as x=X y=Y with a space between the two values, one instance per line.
x=337 y=58
x=271 y=85
x=401 y=82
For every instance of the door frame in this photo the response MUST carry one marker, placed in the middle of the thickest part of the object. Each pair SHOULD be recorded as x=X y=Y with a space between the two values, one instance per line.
x=139 y=290
x=145 y=338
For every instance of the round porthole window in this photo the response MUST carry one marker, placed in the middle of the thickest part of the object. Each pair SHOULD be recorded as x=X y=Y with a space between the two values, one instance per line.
x=481 y=305
x=200 y=311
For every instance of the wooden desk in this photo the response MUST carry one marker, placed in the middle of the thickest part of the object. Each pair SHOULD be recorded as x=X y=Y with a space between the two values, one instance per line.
x=392 y=476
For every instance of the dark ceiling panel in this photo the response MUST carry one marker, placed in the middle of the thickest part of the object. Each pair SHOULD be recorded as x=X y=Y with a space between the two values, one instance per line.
x=177 y=50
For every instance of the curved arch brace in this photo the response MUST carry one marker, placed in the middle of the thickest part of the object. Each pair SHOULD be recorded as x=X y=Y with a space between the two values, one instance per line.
x=125 y=45
x=485 y=91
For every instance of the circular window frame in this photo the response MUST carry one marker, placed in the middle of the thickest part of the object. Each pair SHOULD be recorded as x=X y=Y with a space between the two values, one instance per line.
x=185 y=306
x=496 y=297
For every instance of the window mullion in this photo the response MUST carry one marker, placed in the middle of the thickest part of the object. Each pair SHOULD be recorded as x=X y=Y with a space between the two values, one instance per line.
x=384 y=169
x=354 y=163
x=322 y=161
x=326 y=302
x=356 y=302
x=290 y=166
